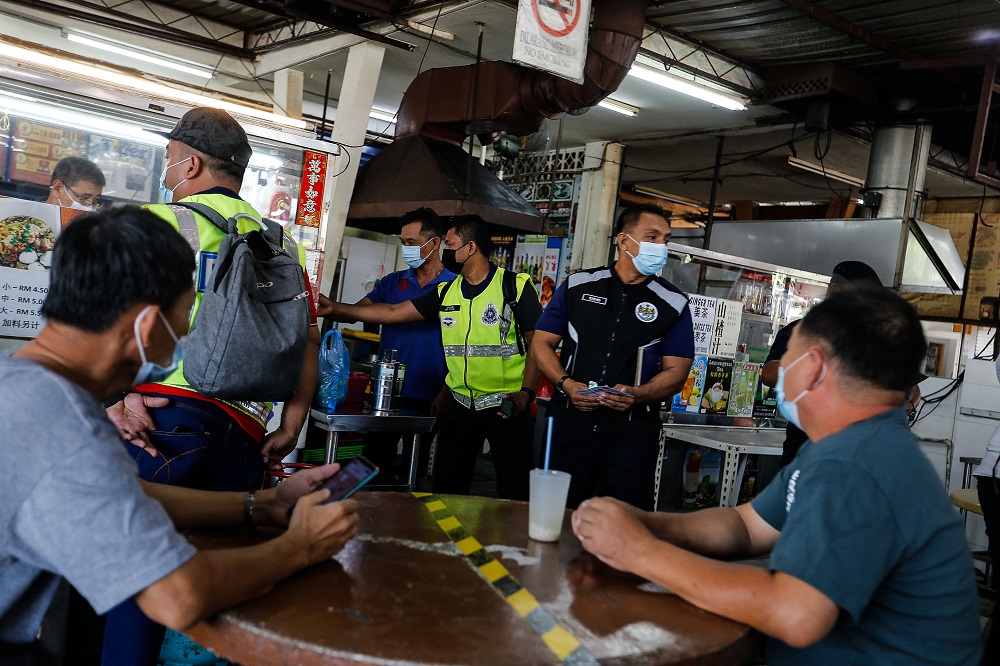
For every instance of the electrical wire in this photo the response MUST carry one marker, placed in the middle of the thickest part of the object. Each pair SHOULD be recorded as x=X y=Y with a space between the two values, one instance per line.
x=935 y=399
x=979 y=356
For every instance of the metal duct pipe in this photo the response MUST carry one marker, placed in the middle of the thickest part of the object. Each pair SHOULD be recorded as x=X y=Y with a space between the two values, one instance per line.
x=517 y=99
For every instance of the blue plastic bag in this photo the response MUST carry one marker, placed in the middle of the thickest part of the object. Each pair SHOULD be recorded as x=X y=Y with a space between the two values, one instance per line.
x=334 y=369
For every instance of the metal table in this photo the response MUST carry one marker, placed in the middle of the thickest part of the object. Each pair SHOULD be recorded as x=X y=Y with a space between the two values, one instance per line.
x=735 y=444
x=402 y=594
x=405 y=421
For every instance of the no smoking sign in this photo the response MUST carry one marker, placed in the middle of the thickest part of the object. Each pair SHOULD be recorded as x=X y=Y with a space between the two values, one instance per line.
x=557 y=17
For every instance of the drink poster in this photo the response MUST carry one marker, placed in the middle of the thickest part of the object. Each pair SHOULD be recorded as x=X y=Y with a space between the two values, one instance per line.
x=529 y=255
x=37 y=148
x=726 y=329
x=765 y=402
x=28 y=231
x=689 y=399
x=550 y=271
x=703 y=318
x=718 y=379
x=743 y=388
x=503 y=251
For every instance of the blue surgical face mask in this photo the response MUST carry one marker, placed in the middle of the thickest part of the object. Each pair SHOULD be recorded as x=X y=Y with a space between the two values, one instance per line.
x=651 y=258
x=412 y=256
x=167 y=193
x=790 y=408
x=150 y=372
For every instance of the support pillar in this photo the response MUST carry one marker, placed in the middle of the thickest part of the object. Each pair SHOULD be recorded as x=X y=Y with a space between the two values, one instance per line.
x=288 y=93
x=595 y=217
x=357 y=92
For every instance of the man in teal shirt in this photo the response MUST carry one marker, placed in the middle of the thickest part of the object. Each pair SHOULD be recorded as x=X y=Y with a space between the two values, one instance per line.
x=869 y=563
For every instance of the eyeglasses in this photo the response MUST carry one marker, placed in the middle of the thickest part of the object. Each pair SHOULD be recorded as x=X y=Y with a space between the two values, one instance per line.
x=94 y=200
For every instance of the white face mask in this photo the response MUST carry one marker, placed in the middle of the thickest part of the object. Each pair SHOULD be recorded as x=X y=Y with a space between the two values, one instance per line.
x=73 y=203
x=790 y=408
x=167 y=193
x=412 y=255
x=651 y=258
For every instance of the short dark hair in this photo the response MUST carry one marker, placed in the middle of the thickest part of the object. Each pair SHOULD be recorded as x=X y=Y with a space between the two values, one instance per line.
x=630 y=216
x=472 y=228
x=874 y=334
x=104 y=263
x=431 y=225
x=219 y=169
x=71 y=170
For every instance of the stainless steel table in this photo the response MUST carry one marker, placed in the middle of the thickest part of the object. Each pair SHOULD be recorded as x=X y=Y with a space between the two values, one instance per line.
x=735 y=444
x=405 y=421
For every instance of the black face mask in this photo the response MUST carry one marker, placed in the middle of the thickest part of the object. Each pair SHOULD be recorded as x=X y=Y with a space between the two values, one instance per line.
x=449 y=261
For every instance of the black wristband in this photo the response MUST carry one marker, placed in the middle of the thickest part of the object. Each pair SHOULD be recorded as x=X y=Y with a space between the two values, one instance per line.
x=559 y=384
x=111 y=402
x=531 y=394
x=248 y=511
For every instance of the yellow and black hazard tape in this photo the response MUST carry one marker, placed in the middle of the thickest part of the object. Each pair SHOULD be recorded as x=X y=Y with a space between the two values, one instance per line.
x=557 y=638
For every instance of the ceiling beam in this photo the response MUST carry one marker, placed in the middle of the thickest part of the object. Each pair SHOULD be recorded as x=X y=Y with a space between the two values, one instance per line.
x=852 y=29
x=138 y=26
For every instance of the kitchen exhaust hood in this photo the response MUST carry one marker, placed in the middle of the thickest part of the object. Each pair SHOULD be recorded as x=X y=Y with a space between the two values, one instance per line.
x=907 y=255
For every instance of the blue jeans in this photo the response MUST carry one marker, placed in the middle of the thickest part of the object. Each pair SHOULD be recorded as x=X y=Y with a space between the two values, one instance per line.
x=200 y=446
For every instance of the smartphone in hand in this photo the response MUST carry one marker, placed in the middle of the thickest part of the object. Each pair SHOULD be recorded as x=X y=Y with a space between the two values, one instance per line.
x=507 y=407
x=352 y=475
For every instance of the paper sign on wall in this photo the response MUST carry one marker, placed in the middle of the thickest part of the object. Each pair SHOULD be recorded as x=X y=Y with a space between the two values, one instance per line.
x=28 y=231
x=726 y=330
x=551 y=35
x=703 y=318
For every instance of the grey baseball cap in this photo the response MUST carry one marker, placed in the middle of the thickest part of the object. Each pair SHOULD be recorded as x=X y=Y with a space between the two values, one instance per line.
x=213 y=132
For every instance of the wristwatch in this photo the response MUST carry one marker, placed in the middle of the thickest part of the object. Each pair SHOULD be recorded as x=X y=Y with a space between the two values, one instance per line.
x=559 y=384
x=530 y=392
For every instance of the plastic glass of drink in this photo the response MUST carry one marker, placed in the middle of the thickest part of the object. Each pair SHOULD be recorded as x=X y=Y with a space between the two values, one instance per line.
x=547 y=504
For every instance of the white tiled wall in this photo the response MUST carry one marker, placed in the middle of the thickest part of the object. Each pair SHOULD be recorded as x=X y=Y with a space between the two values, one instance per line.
x=980 y=390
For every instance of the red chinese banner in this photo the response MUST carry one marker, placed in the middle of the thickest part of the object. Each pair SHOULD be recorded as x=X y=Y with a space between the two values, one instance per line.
x=311 y=191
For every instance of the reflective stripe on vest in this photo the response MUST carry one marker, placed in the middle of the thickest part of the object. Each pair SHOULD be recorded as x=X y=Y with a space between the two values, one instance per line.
x=482 y=402
x=479 y=342
x=209 y=238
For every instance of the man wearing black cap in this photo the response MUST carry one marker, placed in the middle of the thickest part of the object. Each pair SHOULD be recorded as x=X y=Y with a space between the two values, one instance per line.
x=844 y=273
x=185 y=438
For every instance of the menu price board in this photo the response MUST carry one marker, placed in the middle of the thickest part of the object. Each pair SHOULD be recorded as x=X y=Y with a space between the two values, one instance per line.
x=28 y=231
x=726 y=331
x=703 y=318
x=38 y=148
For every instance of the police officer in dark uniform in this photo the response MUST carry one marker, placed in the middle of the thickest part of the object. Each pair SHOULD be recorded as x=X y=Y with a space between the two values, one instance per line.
x=606 y=318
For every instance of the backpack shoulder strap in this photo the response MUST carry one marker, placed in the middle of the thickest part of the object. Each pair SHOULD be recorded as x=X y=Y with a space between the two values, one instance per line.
x=210 y=214
x=509 y=289
x=187 y=225
x=445 y=288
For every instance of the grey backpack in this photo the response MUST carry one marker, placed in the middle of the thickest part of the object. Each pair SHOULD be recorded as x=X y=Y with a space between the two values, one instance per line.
x=249 y=337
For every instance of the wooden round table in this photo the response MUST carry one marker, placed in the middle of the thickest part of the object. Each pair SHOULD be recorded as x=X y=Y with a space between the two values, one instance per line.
x=402 y=593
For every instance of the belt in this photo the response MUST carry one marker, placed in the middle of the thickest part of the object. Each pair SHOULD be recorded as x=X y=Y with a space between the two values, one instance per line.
x=482 y=402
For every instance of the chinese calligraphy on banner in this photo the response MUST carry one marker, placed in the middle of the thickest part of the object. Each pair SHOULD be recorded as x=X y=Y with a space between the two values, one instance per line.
x=311 y=192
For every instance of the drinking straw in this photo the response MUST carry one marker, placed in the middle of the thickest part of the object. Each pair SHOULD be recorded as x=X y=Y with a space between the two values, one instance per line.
x=548 y=444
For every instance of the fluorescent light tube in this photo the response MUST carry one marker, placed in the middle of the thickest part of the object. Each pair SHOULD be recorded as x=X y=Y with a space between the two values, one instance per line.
x=673 y=198
x=385 y=116
x=618 y=107
x=46 y=112
x=820 y=171
x=137 y=55
x=685 y=86
x=136 y=83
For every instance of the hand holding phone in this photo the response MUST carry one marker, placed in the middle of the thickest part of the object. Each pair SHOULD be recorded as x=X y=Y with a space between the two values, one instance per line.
x=507 y=406
x=352 y=475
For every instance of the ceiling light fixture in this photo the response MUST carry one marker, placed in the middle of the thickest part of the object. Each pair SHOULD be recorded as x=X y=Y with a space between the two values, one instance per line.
x=619 y=107
x=65 y=65
x=686 y=86
x=384 y=116
x=673 y=198
x=820 y=171
x=428 y=30
x=161 y=61
x=23 y=106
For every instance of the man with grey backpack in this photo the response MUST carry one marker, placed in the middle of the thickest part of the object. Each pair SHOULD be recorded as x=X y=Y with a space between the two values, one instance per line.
x=201 y=422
